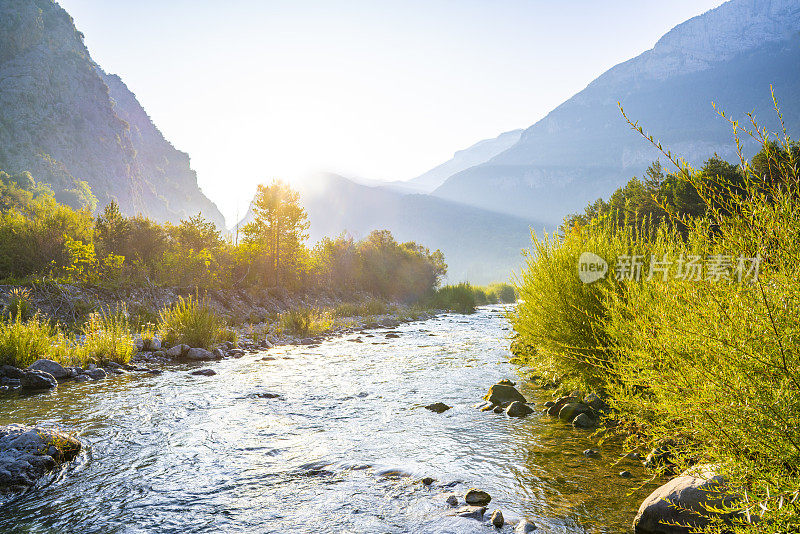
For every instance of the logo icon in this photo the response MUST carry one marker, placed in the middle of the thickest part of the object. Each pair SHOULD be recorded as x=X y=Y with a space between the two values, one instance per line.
x=591 y=267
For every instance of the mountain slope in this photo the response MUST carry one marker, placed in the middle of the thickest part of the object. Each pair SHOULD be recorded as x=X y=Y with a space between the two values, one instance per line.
x=463 y=159
x=583 y=149
x=479 y=246
x=65 y=120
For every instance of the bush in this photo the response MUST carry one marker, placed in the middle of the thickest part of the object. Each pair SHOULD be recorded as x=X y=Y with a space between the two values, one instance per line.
x=361 y=309
x=459 y=298
x=107 y=337
x=24 y=342
x=501 y=292
x=305 y=321
x=19 y=304
x=191 y=321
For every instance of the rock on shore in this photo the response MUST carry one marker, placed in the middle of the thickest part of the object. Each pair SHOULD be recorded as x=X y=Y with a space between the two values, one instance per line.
x=28 y=453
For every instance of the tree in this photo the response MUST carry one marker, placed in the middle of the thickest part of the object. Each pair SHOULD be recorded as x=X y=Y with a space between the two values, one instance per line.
x=280 y=224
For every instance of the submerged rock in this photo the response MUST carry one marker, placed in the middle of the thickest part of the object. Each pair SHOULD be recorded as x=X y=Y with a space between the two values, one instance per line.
x=452 y=500
x=437 y=407
x=27 y=453
x=504 y=394
x=477 y=497
x=560 y=403
x=583 y=421
x=524 y=526
x=204 y=372
x=471 y=512
x=572 y=410
x=518 y=409
x=95 y=373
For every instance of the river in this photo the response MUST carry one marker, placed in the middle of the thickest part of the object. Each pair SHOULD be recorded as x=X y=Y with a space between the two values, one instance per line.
x=341 y=450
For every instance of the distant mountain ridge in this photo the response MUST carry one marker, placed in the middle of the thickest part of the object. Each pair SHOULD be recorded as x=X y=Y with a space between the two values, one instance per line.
x=65 y=120
x=583 y=149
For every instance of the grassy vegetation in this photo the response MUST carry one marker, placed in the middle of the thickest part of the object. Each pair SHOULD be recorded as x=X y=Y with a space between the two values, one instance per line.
x=193 y=322
x=464 y=297
x=19 y=303
x=24 y=342
x=305 y=321
x=708 y=364
x=107 y=337
x=362 y=309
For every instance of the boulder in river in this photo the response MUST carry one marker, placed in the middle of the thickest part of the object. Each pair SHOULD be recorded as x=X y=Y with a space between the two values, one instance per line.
x=684 y=500
x=27 y=453
x=9 y=371
x=204 y=372
x=524 y=526
x=37 y=380
x=560 y=403
x=437 y=407
x=198 y=354
x=477 y=497
x=504 y=394
x=518 y=409
x=471 y=512
x=497 y=519
x=177 y=351
x=570 y=411
x=583 y=420
x=51 y=367
x=95 y=373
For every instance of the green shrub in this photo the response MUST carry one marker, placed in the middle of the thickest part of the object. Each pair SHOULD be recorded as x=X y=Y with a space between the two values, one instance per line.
x=361 y=309
x=107 y=337
x=19 y=304
x=459 y=298
x=304 y=321
x=501 y=292
x=24 y=342
x=191 y=321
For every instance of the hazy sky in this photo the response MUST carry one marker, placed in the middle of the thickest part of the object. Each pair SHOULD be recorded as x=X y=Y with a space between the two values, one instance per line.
x=255 y=90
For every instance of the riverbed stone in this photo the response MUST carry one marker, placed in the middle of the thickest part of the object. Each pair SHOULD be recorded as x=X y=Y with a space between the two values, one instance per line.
x=471 y=512
x=199 y=354
x=9 y=371
x=49 y=366
x=95 y=373
x=204 y=372
x=489 y=406
x=560 y=403
x=570 y=411
x=594 y=401
x=497 y=519
x=177 y=351
x=218 y=354
x=437 y=407
x=524 y=526
x=477 y=497
x=38 y=380
x=507 y=382
x=684 y=500
x=27 y=453
x=518 y=409
x=583 y=421
x=504 y=394
x=452 y=500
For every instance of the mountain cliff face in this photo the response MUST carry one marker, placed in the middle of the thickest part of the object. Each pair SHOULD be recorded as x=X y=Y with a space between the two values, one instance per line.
x=583 y=149
x=66 y=121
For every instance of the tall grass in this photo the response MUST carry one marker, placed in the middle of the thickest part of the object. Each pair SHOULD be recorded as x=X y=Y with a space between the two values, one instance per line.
x=459 y=298
x=362 y=309
x=192 y=322
x=19 y=304
x=24 y=342
x=305 y=321
x=107 y=337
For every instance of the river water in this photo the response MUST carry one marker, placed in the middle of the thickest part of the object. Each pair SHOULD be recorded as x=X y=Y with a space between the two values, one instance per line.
x=341 y=450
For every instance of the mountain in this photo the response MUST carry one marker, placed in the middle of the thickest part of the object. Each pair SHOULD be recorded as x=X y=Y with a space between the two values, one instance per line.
x=463 y=159
x=68 y=122
x=479 y=246
x=584 y=149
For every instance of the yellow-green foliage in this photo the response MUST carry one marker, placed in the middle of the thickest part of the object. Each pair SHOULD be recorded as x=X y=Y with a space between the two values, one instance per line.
x=711 y=365
x=304 y=321
x=459 y=298
x=24 y=342
x=19 y=304
x=107 y=337
x=191 y=321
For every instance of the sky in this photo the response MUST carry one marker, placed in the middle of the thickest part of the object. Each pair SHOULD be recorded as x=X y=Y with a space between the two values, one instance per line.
x=380 y=90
